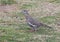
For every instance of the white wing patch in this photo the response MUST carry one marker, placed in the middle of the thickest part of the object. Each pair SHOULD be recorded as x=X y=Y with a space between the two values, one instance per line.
x=31 y=24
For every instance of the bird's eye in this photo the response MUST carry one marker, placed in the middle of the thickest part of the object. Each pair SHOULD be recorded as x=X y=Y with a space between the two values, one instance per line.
x=25 y=10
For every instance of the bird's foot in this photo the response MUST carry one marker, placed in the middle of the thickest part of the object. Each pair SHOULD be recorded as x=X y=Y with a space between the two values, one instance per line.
x=31 y=30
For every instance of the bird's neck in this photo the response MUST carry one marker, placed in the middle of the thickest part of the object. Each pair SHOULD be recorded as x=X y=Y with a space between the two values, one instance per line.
x=27 y=16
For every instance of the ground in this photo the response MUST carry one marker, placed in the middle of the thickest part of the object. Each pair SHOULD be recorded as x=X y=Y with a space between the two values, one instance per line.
x=13 y=27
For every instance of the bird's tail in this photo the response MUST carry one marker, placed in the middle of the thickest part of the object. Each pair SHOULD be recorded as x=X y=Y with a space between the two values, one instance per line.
x=46 y=26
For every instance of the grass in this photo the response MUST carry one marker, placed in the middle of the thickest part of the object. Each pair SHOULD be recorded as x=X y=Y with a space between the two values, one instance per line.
x=7 y=2
x=49 y=19
x=28 y=6
x=18 y=31
x=11 y=34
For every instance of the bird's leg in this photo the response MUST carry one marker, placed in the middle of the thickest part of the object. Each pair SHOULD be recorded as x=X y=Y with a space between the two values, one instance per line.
x=33 y=30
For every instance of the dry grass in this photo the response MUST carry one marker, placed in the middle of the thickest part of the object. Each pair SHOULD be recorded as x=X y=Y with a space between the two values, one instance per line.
x=13 y=27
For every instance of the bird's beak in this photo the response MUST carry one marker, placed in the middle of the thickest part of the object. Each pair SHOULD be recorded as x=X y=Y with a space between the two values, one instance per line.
x=21 y=12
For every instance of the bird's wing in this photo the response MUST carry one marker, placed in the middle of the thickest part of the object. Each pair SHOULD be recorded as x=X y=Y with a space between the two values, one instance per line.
x=33 y=22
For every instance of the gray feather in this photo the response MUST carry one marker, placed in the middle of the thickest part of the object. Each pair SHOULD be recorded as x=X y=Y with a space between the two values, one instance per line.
x=32 y=22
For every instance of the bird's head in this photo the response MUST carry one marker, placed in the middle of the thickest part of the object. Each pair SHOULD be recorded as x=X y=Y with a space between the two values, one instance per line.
x=25 y=12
